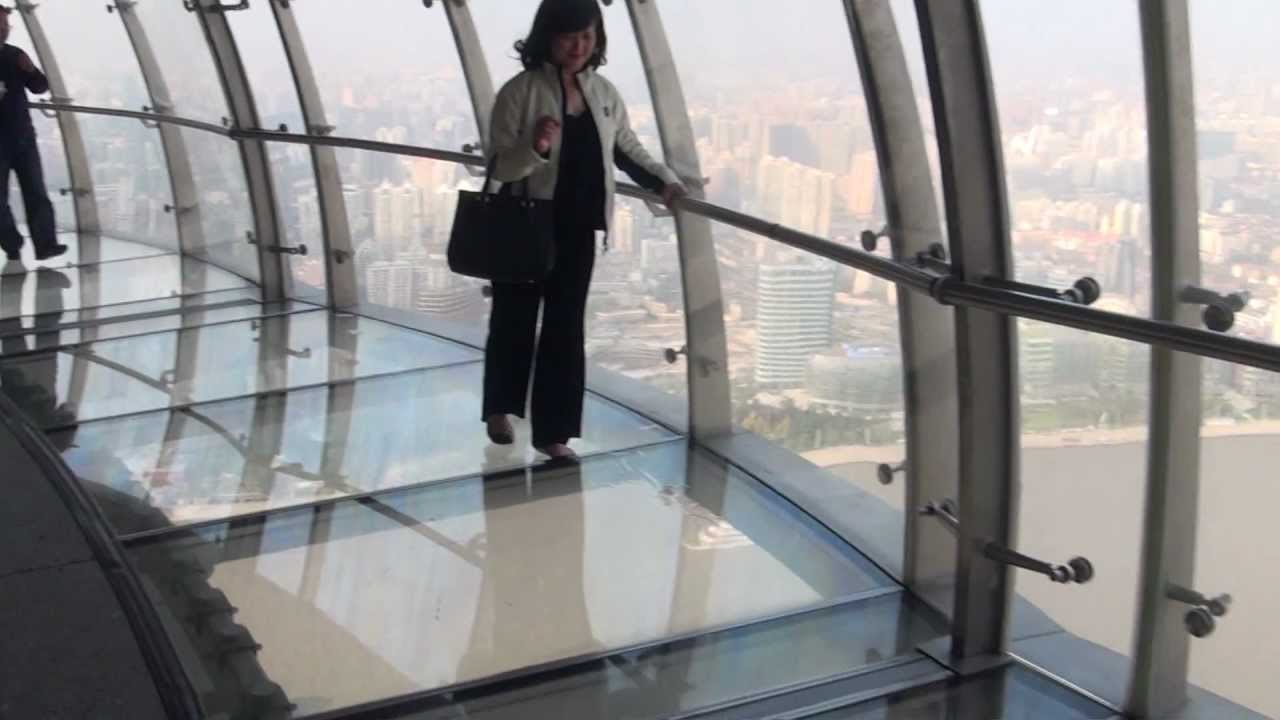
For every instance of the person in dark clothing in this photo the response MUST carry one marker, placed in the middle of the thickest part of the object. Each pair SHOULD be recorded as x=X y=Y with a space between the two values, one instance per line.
x=19 y=154
x=561 y=128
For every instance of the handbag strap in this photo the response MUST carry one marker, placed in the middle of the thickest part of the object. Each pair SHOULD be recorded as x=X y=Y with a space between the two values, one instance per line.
x=493 y=162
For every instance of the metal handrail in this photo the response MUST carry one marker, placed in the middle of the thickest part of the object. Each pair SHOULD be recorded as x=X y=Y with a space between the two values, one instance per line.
x=930 y=280
x=145 y=116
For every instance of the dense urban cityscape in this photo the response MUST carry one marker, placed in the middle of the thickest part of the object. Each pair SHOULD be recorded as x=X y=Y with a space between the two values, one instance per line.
x=814 y=352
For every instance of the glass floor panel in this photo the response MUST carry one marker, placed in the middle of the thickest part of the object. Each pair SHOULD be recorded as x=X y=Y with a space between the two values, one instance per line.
x=419 y=589
x=153 y=372
x=82 y=250
x=1010 y=693
x=717 y=673
x=88 y=286
x=197 y=316
x=110 y=313
x=198 y=464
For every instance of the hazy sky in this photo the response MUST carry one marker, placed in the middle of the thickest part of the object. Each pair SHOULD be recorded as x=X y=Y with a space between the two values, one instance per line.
x=1029 y=39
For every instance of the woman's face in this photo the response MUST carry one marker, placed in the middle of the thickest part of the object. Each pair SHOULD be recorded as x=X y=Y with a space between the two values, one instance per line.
x=572 y=51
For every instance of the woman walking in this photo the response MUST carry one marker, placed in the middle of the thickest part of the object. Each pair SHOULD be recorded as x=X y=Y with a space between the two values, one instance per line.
x=561 y=127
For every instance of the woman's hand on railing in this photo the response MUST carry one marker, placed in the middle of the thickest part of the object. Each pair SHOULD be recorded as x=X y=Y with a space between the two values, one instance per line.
x=671 y=192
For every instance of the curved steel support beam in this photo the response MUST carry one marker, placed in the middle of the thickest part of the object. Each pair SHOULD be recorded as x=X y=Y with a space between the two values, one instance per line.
x=977 y=218
x=82 y=195
x=182 y=183
x=257 y=165
x=1159 y=685
x=474 y=65
x=927 y=330
x=340 y=273
x=710 y=403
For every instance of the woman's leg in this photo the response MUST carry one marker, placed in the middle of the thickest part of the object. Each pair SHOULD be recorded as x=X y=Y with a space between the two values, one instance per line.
x=559 y=378
x=508 y=353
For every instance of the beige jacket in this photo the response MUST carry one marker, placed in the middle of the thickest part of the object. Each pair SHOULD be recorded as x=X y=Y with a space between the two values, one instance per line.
x=534 y=94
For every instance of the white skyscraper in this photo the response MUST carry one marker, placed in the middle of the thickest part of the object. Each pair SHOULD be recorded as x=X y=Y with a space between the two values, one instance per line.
x=793 y=319
x=390 y=284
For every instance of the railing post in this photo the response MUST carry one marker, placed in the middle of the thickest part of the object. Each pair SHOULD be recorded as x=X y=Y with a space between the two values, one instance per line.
x=181 y=177
x=474 y=66
x=927 y=330
x=339 y=257
x=710 y=404
x=82 y=192
x=1159 y=685
x=977 y=220
x=257 y=166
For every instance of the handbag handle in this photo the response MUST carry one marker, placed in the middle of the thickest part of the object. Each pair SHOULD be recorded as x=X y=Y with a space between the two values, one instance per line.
x=493 y=162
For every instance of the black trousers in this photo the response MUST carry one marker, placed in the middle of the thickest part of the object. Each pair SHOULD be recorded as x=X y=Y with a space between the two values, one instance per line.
x=559 y=374
x=23 y=158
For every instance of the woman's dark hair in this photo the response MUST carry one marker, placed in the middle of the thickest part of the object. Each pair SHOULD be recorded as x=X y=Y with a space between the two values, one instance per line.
x=556 y=17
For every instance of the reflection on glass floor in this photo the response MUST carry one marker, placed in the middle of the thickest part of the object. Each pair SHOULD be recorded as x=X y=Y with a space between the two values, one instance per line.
x=84 y=286
x=1011 y=693
x=104 y=314
x=82 y=250
x=214 y=362
x=234 y=457
x=419 y=589
x=44 y=334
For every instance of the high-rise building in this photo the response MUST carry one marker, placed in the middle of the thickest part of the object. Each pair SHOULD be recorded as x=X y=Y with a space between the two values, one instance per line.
x=795 y=195
x=793 y=319
x=390 y=284
x=624 y=229
x=395 y=216
x=438 y=292
x=863 y=198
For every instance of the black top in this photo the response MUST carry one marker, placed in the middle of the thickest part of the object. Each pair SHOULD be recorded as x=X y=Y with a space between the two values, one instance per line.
x=15 y=113
x=579 y=196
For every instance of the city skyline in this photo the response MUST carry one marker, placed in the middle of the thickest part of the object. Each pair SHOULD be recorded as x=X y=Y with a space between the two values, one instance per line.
x=1075 y=153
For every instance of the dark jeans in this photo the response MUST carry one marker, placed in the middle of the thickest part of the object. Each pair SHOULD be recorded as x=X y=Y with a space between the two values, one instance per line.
x=23 y=158
x=559 y=375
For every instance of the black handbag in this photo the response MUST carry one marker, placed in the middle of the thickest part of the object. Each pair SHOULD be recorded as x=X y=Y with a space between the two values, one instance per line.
x=502 y=237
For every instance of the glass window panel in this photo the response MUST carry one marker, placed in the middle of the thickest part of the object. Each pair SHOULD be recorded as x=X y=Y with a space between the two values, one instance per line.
x=270 y=77
x=1084 y=404
x=52 y=152
x=814 y=360
x=298 y=205
x=53 y=160
x=1238 y=125
x=95 y=56
x=778 y=111
x=276 y=97
x=183 y=53
x=725 y=537
x=1239 y=441
x=401 y=214
x=635 y=310
x=226 y=214
x=130 y=180
x=371 y=435
x=407 y=87
x=502 y=22
x=1069 y=82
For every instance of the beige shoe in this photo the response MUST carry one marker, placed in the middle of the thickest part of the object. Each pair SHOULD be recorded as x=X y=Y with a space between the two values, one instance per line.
x=558 y=451
x=500 y=430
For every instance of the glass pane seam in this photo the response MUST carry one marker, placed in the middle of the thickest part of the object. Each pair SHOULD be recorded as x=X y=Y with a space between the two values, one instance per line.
x=409 y=699
x=262 y=393
x=185 y=328
x=159 y=535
